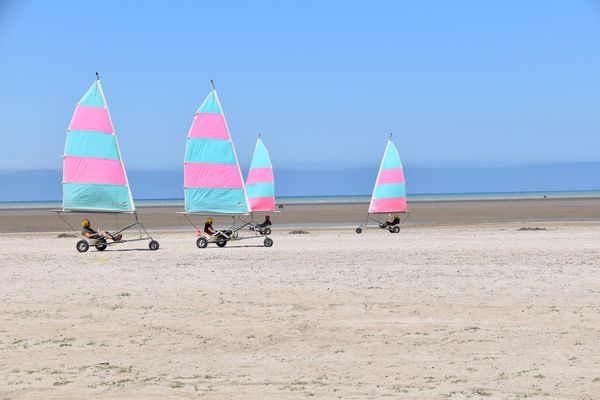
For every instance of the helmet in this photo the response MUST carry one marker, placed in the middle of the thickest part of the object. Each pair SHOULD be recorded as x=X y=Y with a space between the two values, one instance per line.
x=85 y=222
x=267 y=217
x=209 y=220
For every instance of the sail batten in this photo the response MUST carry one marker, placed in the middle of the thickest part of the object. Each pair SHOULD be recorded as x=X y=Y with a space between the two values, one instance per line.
x=389 y=194
x=94 y=177
x=212 y=177
x=260 y=182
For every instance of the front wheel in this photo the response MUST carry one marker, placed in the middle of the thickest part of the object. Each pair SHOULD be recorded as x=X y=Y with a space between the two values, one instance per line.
x=82 y=246
x=202 y=243
x=359 y=230
x=396 y=229
x=268 y=242
x=153 y=245
x=222 y=243
x=266 y=231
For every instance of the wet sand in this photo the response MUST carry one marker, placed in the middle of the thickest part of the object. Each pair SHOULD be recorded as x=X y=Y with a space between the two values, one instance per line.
x=305 y=215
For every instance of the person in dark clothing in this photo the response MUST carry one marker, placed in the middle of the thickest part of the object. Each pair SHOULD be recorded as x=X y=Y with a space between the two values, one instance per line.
x=390 y=222
x=208 y=228
x=266 y=223
x=90 y=233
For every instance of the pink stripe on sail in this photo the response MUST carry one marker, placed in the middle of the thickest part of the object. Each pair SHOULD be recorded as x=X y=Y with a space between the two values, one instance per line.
x=391 y=175
x=209 y=125
x=392 y=204
x=211 y=175
x=93 y=170
x=261 y=174
x=262 y=203
x=91 y=118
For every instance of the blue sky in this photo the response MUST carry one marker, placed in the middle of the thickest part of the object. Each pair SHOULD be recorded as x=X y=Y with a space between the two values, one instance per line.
x=460 y=83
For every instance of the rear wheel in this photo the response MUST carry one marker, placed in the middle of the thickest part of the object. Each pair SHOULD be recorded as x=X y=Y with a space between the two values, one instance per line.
x=266 y=231
x=396 y=229
x=153 y=245
x=202 y=243
x=102 y=246
x=359 y=230
x=268 y=242
x=222 y=243
x=82 y=246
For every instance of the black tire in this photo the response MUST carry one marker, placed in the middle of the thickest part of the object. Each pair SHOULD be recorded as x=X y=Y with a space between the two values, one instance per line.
x=153 y=245
x=396 y=229
x=266 y=231
x=222 y=243
x=359 y=230
x=102 y=246
x=268 y=242
x=82 y=246
x=202 y=243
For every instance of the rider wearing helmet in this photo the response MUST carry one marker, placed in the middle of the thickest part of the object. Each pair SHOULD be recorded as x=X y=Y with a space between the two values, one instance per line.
x=208 y=228
x=90 y=233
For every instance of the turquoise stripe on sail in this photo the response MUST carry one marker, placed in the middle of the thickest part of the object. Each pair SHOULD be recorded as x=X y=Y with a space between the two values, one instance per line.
x=94 y=196
x=93 y=97
x=210 y=104
x=261 y=156
x=215 y=200
x=391 y=158
x=260 y=189
x=91 y=144
x=388 y=190
x=210 y=150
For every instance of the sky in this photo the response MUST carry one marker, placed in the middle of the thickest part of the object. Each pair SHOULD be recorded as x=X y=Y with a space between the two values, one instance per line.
x=461 y=83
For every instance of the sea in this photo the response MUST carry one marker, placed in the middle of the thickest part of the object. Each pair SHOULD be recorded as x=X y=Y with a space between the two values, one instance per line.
x=344 y=199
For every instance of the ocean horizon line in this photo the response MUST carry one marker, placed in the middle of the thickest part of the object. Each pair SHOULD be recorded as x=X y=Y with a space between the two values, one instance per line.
x=345 y=199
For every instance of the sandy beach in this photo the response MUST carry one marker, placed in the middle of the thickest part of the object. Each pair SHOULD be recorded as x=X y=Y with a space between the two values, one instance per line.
x=477 y=309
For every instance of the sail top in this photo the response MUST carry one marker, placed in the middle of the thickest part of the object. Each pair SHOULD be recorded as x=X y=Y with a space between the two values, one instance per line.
x=94 y=178
x=389 y=195
x=212 y=177
x=260 y=183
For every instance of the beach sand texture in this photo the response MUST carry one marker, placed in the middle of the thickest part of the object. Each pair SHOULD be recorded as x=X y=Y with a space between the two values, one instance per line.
x=430 y=313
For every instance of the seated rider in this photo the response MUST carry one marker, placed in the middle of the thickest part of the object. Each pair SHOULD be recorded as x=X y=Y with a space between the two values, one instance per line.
x=208 y=228
x=391 y=222
x=266 y=223
x=90 y=233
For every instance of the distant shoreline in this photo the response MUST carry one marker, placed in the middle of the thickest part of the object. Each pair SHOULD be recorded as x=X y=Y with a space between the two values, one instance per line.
x=421 y=213
x=344 y=199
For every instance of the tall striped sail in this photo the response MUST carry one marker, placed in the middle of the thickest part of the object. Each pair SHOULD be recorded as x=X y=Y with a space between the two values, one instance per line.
x=389 y=194
x=260 y=183
x=94 y=178
x=213 y=180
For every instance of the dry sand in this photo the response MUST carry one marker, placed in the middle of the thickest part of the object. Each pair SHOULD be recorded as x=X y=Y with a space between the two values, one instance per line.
x=454 y=312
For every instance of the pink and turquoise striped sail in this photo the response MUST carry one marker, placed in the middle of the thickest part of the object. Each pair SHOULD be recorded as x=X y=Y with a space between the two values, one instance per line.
x=260 y=184
x=93 y=174
x=390 y=192
x=212 y=177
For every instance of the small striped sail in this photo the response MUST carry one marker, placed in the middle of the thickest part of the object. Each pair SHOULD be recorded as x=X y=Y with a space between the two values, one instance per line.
x=390 y=192
x=94 y=178
x=260 y=183
x=213 y=180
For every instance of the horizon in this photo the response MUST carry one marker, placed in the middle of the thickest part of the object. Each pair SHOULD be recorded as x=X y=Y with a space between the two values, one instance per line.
x=45 y=184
